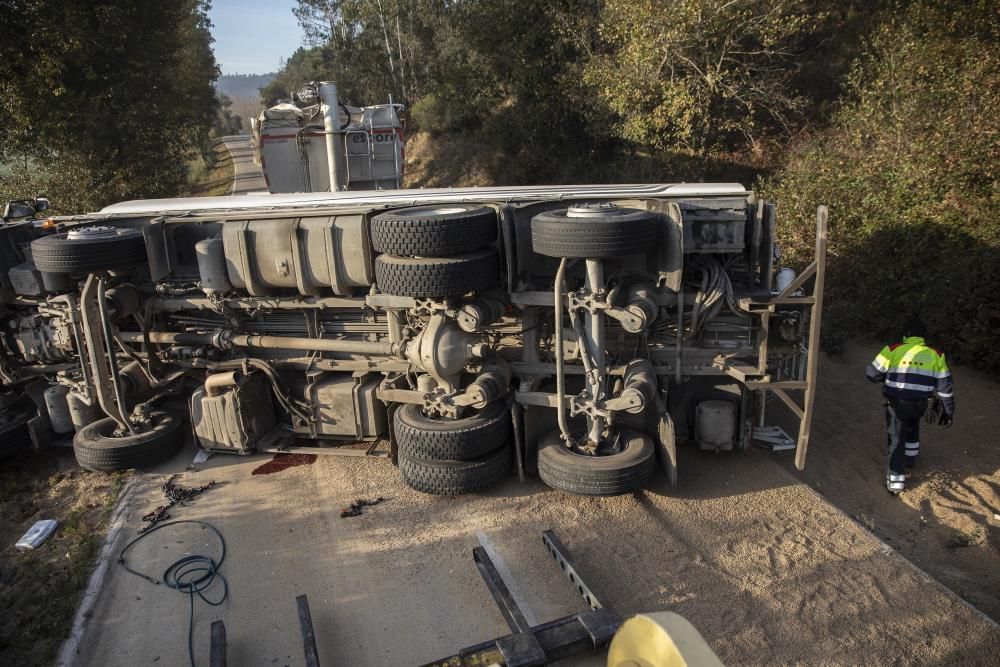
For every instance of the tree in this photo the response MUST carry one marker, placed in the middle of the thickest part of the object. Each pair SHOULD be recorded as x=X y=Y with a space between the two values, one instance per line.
x=909 y=171
x=698 y=74
x=226 y=122
x=306 y=64
x=116 y=95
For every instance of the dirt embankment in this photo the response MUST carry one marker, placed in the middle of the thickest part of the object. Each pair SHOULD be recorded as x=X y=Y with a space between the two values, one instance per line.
x=448 y=160
x=948 y=519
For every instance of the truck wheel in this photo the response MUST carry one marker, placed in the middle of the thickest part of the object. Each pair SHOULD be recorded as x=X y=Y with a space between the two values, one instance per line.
x=610 y=475
x=14 y=435
x=450 y=478
x=434 y=231
x=437 y=277
x=97 y=448
x=596 y=231
x=420 y=437
x=89 y=249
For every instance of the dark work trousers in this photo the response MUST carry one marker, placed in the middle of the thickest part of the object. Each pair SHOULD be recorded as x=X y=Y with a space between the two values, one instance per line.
x=902 y=421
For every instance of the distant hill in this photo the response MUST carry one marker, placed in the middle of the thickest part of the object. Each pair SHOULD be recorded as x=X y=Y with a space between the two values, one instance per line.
x=243 y=85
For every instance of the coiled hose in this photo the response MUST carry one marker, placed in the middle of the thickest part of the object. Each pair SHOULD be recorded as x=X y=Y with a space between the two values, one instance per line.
x=192 y=574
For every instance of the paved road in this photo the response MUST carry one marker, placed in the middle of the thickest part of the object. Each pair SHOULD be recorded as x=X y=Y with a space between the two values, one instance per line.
x=247 y=176
x=765 y=568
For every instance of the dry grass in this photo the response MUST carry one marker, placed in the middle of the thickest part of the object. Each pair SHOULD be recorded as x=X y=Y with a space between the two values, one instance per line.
x=215 y=180
x=39 y=590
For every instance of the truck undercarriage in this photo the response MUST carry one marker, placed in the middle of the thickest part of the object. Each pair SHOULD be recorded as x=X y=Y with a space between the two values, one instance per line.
x=580 y=331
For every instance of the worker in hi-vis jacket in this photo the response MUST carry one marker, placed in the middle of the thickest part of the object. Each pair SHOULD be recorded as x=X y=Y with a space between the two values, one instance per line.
x=912 y=373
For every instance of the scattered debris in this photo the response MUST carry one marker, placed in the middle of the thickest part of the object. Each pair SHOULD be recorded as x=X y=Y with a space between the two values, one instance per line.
x=37 y=534
x=357 y=505
x=773 y=438
x=174 y=494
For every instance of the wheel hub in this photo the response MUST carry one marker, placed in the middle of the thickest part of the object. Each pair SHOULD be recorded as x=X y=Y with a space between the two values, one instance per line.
x=608 y=446
x=91 y=233
x=595 y=210
x=438 y=210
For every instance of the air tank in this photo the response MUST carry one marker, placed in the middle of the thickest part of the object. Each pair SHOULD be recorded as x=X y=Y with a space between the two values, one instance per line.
x=715 y=425
x=56 y=404
x=784 y=278
x=81 y=412
x=212 y=266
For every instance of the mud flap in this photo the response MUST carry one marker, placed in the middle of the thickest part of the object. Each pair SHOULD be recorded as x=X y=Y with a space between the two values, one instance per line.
x=666 y=446
x=666 y=442
x=393 y=444
x=39 y=426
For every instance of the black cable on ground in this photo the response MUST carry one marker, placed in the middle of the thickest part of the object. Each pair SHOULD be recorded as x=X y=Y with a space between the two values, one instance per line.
x=191 y=574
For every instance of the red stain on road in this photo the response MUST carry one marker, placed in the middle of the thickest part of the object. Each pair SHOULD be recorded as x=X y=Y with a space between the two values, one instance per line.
x=282 y=461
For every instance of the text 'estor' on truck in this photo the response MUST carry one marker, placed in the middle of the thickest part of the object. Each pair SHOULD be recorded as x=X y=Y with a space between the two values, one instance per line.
x=580 y=331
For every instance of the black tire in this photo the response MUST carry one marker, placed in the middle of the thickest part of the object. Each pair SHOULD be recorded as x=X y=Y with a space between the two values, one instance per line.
x=604 y=234
x=434 y=231
x=61 y=253
x=450 y=478
x=464 y=439
x=97 y=449
x=437 y=277
x=584 y=475
x=15 y=436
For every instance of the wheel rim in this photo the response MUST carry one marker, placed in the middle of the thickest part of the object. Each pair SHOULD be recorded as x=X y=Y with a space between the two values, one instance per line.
x=596 y=210
x=92 y=233
x=106 y=429
x=435 y=210
x=618 y=445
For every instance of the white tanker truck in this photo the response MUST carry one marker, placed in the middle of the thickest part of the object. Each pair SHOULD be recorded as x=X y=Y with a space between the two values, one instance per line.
x=293 y=144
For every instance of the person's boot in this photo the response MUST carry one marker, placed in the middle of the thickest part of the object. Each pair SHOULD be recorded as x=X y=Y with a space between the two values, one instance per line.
x=895 y=483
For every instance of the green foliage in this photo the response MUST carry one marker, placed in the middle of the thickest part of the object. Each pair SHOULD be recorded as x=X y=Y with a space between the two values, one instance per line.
x=303 y=66
x=909 y=171
x=104 y=100
x=698 y=73
x=544 y=82
x=435 y=114
x=504 y=68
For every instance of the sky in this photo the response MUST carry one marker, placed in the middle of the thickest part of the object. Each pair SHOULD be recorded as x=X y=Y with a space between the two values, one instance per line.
x=253 y=36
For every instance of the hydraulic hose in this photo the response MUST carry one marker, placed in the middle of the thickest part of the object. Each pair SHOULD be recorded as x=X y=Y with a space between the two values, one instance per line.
x=560 y=378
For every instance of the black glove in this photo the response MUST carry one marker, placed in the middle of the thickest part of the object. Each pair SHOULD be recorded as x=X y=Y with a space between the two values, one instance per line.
x=945 y=421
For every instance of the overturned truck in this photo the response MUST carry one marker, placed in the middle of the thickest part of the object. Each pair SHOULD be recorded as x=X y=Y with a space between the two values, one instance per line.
x=578 y=331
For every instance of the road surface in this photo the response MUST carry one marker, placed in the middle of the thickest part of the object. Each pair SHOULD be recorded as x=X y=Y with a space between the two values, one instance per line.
x=247 y=176
x=764 y=567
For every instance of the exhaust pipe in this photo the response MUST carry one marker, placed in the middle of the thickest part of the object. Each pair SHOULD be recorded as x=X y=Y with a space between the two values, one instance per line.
x=331 y=128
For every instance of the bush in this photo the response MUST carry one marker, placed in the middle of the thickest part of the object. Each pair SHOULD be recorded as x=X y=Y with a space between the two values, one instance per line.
x=909 y=174
x=435 y=115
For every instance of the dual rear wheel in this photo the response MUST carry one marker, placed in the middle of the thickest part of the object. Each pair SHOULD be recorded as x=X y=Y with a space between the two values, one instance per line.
x=453 y=456
x=435 y=251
